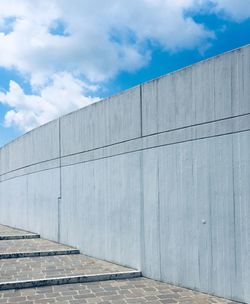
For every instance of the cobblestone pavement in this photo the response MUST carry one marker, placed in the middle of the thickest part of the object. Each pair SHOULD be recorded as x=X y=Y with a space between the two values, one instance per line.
x=5 y=230
x=110 y=292
x=123 y=291
x=54 y=266
x=30 y=245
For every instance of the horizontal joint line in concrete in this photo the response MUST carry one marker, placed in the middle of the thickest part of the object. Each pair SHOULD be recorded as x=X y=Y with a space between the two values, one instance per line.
x=154 y=147
x=156 y=133
x=19 y=237
x=124 y=141
x=128 y=152
x=14 y=255
x=70 y=280
x=30 y=165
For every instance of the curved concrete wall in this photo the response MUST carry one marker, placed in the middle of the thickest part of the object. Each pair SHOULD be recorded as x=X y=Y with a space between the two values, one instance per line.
x=156 y=178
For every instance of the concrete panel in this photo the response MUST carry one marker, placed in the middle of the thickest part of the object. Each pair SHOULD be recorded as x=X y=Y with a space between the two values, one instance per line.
x=241 y=174
x=39 y=145
x=13 y=195
x=100 y=208
x=110 y=121
x=178 y=221
x=203 y=194
x=213 y=89
x=151 y=261
x=42 y=211
x=222 y=86
x=203 y=78
x=240 y=81
x=222 y=215
x=150 y=114
x=194 y=215
x=30 y=202
x=167 y=102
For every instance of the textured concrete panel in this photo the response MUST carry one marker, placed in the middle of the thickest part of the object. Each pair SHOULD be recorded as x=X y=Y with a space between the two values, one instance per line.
x=110 y=121
x=241 y=177
x=213 y=89
x=178 y=226
x=31 y=202
x=199 y=219
x=151 y=253
x=100 y=208
x=39 y=145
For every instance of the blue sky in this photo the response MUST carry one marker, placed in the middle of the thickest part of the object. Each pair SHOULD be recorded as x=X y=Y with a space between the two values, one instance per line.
x=56 y=57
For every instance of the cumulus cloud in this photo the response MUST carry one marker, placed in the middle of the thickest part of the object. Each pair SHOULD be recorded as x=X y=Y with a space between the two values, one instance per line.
x=61 y=96
x=56 y=44
x=91 y=40
x=99 y=38
x=237 y=10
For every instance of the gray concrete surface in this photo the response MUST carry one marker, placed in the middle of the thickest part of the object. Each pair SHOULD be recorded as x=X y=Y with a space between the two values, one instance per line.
x=156 y=178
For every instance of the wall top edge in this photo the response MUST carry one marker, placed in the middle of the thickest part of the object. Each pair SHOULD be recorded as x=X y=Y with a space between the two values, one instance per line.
x=27 y=133
x=127 y=91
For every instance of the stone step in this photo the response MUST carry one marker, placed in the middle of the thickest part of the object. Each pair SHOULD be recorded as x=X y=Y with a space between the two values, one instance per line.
x=57 y=270
x=9 y=233
x=37 y=262
x=33 y=248
x=70 y=280
x=19 y=237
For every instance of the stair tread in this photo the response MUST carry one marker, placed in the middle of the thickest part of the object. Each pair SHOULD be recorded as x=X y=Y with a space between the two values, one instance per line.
x=54 y=266
x=30 y=246
x=38 y=262
x=9 y=231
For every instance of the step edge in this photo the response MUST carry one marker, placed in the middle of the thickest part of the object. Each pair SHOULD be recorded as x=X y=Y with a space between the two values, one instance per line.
x=123 y=275
x=15 y=255
x=19 y=237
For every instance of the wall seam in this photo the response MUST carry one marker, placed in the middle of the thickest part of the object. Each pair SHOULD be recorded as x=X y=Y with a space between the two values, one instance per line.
x=128 y=140
x=141 y=115
x=129 y=152
x=60 y=184
x=234 y=217
x=142 y=226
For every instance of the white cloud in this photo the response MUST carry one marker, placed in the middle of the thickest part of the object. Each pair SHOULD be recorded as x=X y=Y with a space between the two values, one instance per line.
x=237 y=10
x=61 y=96
x=90 y=39
x=56 y=43
x=88 y=48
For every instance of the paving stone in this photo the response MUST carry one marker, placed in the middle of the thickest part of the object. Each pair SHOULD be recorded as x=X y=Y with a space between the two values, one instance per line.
x=54 y=266
x=32 y=247
x=152 y=292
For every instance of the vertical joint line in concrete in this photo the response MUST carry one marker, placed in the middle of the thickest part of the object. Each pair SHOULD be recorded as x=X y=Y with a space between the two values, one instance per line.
x=159 y=216
x=233 y=143
x=142 y=224
x=141 y=109
x=231 y=84
x=60 y=158
x=157 y=108
x=60 y=184
x=58 y=219
x=211 y=285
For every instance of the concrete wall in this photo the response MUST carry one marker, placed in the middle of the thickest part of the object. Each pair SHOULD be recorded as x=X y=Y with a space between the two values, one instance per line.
x=156 y=178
